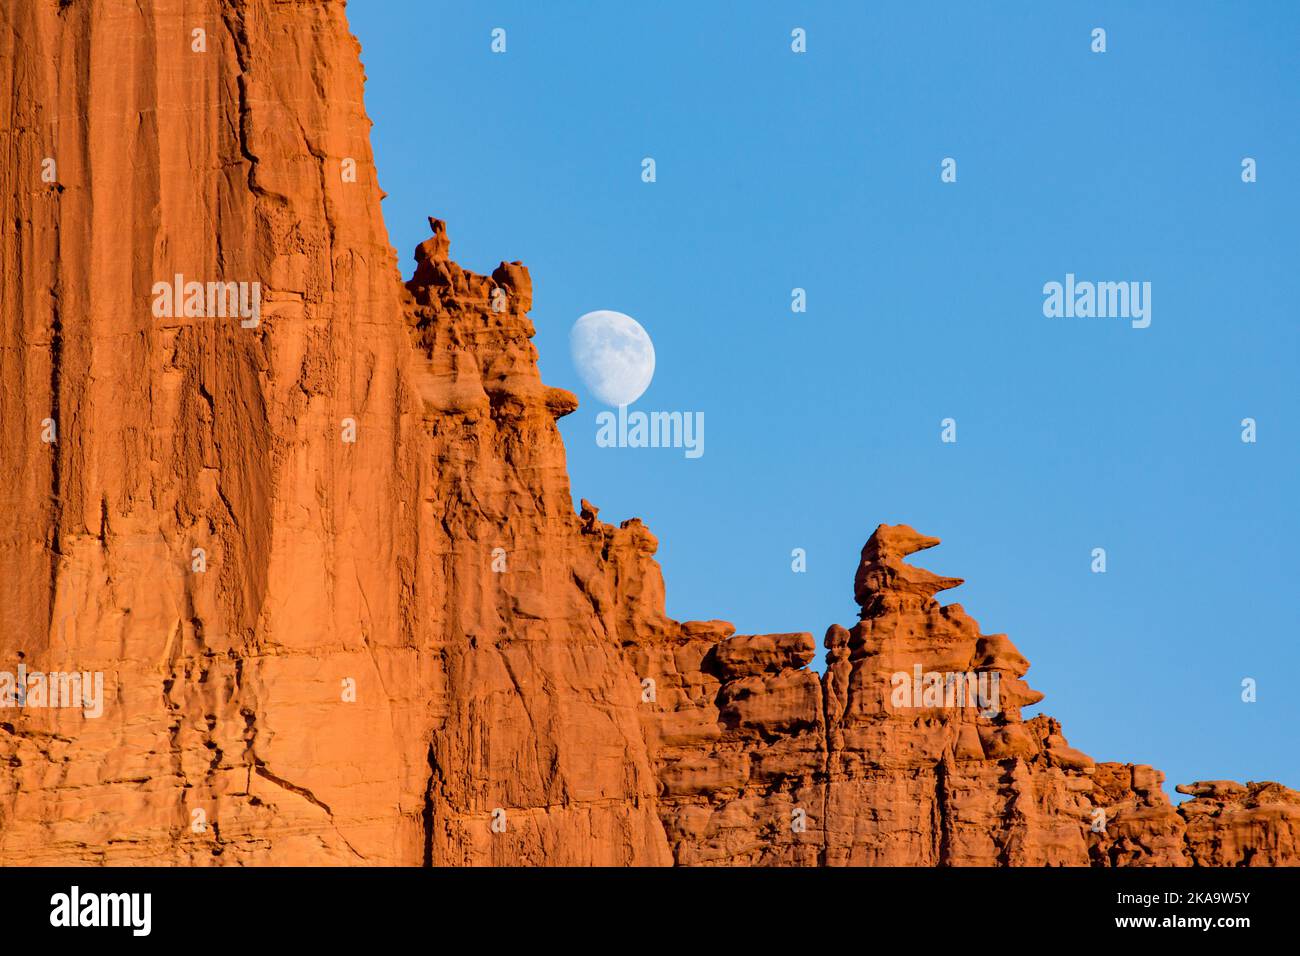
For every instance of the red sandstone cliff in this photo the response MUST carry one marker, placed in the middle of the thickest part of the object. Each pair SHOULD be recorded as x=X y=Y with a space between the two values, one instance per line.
x=408 y=648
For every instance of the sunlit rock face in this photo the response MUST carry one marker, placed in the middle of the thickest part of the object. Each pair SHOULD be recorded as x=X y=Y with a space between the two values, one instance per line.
x=327 y=563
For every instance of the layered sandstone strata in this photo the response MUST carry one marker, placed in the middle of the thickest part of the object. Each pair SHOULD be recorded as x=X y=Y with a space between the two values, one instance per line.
x=329 y=565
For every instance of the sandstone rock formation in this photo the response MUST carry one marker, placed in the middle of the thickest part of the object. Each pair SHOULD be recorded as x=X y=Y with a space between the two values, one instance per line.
x=748 y=741
x=329 y=565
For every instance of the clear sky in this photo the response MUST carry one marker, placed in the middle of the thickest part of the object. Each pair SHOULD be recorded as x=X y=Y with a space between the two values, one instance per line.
x=821 y=170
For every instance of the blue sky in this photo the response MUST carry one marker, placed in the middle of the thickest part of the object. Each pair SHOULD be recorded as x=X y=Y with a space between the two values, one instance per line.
x=924 y=301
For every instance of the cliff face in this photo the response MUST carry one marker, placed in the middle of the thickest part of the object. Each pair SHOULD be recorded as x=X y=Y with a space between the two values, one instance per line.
x=324 y=553
x=215 y=156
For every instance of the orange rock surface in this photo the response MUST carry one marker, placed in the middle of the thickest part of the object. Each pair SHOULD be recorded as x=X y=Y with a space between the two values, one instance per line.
x=328 y=562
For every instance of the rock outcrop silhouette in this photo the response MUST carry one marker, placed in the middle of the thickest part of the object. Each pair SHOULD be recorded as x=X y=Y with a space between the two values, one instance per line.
x=329 y=565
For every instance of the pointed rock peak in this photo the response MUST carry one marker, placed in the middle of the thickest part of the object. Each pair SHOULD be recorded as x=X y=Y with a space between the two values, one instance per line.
x=897 y=539
x=884 y=575
x=514 y=278
x=437 y=248
x=587 y=516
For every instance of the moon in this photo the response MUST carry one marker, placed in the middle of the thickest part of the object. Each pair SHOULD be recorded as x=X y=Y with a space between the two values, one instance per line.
x=613 y=355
